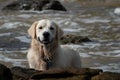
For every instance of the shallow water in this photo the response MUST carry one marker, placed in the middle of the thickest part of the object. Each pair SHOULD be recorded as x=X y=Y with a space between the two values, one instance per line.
x=100 y=24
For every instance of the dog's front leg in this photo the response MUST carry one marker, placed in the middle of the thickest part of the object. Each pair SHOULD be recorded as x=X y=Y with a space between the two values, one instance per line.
x=41 y=65
x=44 y=65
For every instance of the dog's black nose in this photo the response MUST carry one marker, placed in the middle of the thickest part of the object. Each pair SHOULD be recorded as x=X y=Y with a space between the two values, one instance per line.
x=46 y=34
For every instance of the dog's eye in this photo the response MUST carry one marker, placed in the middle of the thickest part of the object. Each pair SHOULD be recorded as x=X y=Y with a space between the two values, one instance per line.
x=51 y=28
x=40 y=27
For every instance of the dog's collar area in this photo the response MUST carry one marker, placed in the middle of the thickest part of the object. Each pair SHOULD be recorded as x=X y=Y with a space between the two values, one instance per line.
x=47 y=60
x=49 y=63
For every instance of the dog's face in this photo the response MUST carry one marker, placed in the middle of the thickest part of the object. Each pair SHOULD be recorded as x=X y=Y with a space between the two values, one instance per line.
x=45 y=31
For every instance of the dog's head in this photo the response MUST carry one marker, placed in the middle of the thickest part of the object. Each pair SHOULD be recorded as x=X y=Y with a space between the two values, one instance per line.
x=45 y=31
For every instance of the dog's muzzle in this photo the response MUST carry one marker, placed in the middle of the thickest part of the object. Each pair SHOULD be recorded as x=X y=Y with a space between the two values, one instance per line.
x=46 y=38
x=44 y=41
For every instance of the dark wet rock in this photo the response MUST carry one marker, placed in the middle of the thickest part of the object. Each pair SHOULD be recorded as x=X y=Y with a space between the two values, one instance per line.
x=35 y=5
x=54 y=74
x=66 y=74
x=107 y=76
x=22 y=73
x=61 y=74
x=75 y=39
x=5 y=73
x=19 y=73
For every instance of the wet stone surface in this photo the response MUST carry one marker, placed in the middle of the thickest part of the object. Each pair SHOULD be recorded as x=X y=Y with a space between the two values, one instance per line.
x=35 y=5
x=19 y=73
x=74 y=39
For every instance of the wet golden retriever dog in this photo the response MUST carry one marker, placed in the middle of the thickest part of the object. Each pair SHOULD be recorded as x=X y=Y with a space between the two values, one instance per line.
x=45 y=51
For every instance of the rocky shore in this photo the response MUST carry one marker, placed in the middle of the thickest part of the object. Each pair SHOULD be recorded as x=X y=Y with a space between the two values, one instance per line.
x=19 y=73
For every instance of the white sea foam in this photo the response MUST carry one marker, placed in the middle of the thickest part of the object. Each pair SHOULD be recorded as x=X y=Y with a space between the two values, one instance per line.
x=26 y=16
x=72 y=46
x=23 y=39
x=5 y=34
x=71 y=23
x=106 y=54
x=94 y=20
x=118 y=55
x=15 y=51
x=15 y=62
x=11 y=25
x=91 y=45
x=116 y=51
x=112 y=67
x=84 y=55
x=71 y=30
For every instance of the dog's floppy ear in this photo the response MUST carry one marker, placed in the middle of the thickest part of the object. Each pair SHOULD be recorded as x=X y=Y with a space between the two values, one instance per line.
x=59 y=32
x=32 y=30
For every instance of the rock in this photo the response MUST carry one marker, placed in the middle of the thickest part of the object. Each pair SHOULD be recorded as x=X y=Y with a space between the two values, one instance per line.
x=54 y=5
x=107 y=76
x=63 y=74
x=35 y=5
x=95 y=72
x=5 y=73
x=75 y=39
x=19 y=73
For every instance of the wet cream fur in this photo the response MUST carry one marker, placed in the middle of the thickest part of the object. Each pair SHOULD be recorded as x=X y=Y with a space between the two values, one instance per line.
x=62 y=57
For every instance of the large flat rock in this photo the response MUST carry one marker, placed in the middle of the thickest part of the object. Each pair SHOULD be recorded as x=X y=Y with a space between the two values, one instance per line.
x=19 y=73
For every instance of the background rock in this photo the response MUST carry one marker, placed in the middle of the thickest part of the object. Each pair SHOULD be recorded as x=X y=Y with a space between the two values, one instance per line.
x=74 y=39
x=35 y=5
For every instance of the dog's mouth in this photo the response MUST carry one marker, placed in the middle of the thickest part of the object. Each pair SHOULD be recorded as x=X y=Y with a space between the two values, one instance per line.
x=44 y=41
